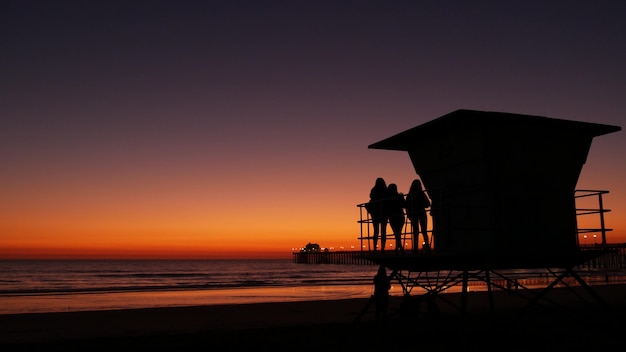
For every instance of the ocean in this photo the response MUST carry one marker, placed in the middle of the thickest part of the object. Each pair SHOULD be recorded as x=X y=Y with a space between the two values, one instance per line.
x=38 y=286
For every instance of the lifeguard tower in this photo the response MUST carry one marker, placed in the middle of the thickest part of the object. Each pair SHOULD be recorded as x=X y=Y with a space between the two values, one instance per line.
x=503 y=192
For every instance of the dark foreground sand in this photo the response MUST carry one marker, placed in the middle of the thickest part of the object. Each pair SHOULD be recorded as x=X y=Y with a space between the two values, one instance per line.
x=570 y=322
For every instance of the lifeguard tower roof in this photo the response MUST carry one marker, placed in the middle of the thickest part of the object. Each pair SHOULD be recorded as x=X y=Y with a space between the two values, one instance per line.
x=500 y=182
x=506 y=122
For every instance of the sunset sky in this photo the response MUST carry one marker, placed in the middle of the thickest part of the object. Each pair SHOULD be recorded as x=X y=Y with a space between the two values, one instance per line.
x=233 y=129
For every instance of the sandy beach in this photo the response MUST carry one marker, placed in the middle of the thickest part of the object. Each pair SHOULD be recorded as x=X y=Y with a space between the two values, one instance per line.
x=571 y=320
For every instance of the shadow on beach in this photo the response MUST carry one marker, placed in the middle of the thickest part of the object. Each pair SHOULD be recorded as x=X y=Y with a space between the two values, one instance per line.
x=573 y=324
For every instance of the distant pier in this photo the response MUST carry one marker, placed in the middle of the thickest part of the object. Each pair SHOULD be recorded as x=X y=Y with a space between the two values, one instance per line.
x=615 y=258
x=338 y=257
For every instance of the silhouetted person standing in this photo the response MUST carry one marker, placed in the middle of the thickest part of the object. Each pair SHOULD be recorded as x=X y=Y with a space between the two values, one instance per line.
x=416 y=203
x=382 y=285
x=375 y=207
x=394 y=207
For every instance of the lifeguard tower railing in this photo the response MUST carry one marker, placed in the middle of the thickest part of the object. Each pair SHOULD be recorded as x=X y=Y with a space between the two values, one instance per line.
x=596 y=213
x=591 y=231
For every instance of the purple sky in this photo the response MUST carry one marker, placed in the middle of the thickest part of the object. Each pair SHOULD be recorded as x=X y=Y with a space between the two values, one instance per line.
x=194 y=106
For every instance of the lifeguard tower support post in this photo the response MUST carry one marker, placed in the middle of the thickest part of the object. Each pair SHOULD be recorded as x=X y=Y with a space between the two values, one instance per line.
x=502 y=188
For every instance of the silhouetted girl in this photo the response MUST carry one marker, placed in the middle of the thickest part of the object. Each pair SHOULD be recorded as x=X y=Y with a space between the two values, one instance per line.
x=394 y=206
x=416 y=203
x=378 y=193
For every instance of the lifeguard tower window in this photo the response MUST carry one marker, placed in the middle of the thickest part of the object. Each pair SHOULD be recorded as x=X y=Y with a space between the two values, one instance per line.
x=500 y=183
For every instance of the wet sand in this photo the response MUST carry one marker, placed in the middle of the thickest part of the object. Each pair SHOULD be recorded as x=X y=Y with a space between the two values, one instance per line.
x=571 y=320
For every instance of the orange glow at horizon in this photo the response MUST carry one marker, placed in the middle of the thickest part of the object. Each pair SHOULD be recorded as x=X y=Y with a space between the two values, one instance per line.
x=152 y=242
x=167 y=220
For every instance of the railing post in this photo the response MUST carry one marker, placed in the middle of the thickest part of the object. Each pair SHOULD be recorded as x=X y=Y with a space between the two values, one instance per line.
x=602 y=229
